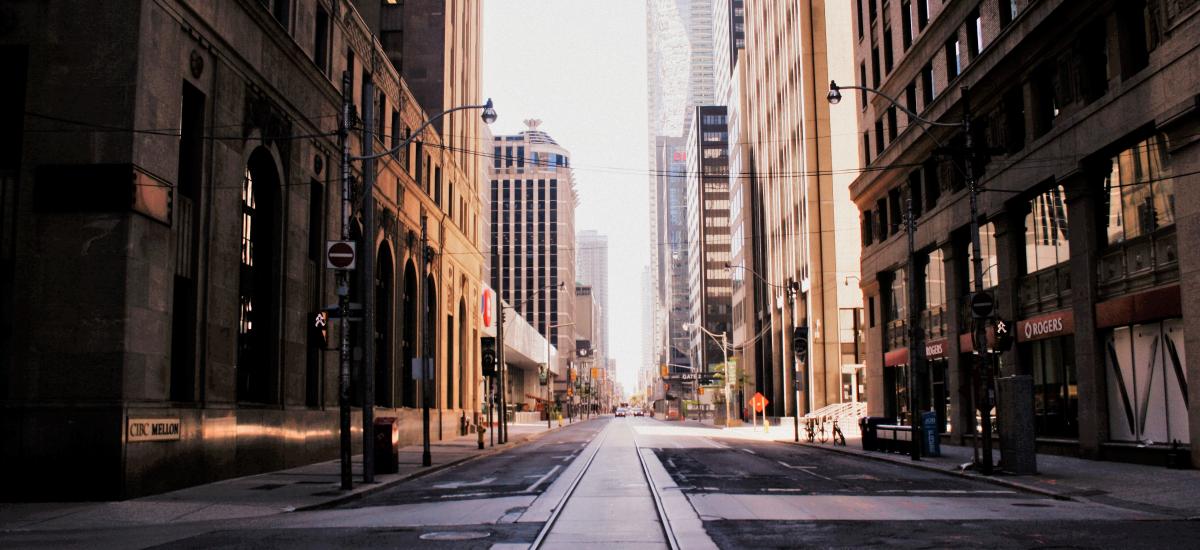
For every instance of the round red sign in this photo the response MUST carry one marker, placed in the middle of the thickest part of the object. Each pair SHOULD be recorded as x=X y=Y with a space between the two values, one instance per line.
x=340 y=255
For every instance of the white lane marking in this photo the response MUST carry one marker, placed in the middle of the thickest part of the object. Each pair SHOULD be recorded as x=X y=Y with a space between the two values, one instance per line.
x=461 y=495
x=458 y=484
x=542 y=479
x=948 y=492
x=749 y=451
x=783 y=490
x=718 y=444
x=569 y=457
x=805 y=469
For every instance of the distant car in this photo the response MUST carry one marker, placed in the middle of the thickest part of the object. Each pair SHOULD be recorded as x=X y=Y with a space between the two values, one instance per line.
x=621 y=412
x=639 y=412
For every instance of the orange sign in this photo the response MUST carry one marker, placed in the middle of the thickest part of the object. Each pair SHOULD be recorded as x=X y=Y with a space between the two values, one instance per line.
x=759 y=402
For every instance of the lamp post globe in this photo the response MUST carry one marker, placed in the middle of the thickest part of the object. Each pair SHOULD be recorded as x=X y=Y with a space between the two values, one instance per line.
x=835 y=93
x=489 y=113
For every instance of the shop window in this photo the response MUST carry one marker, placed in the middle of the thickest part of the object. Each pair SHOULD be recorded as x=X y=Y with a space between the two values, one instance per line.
x=1139 y=193
x=1046 y=233
x=1147 y=383
x=1055 y=390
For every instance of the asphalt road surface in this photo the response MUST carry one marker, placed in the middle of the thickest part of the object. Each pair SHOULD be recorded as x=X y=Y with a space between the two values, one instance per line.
x=642 y=482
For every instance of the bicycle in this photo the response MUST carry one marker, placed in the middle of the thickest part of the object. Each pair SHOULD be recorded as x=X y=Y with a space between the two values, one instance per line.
x=839 y=438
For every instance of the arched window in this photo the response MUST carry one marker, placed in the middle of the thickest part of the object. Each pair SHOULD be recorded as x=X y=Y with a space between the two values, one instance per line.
x=409 y=344
x=258 y=288
x=383 y=327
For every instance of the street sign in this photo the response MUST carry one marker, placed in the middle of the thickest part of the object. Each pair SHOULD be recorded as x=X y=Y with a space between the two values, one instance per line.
x=340 y=254
x=982 y=305
x=759 y=402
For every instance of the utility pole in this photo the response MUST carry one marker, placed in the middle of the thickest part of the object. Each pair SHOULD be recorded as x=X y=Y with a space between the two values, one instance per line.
x=343 y=291
x=914 y=332
x=982 y=366
x=366 y=278
x=425 y=346
x=502 y=414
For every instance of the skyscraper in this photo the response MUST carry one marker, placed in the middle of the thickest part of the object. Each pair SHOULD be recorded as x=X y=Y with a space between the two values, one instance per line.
x=591 y=269
x=533 y=232
x=679 y=65
x=708 y=233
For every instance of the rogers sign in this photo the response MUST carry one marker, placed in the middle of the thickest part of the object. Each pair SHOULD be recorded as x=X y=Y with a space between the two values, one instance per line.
x=1046 y=326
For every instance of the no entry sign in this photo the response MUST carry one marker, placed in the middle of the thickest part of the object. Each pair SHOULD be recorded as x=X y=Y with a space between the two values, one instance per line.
x=339 y=254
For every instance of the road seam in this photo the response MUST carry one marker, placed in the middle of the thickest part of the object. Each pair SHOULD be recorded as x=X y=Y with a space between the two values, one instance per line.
x=931 y=468
x=336 y=501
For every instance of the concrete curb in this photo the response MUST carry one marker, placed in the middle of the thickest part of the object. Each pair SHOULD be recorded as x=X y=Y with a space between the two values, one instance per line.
x=928 y=467
x=352 y=496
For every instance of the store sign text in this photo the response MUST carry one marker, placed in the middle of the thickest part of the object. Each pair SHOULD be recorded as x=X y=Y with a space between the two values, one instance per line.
x=152 y=429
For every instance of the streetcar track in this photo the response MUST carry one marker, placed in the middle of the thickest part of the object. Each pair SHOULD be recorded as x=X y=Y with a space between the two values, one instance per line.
x=668 y=532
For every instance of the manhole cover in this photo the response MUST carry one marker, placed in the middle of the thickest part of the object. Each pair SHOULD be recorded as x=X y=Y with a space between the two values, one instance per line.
x=1032 y=504
x=456 y=535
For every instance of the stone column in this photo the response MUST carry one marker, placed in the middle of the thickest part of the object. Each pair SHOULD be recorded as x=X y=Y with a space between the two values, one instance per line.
x=1010 y=249
x=958 y=373
x=1083 y=213
x=1183 y=133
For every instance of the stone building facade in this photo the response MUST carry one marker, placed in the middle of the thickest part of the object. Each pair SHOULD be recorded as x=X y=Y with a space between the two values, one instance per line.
x=165 y=226
x=1084 y=115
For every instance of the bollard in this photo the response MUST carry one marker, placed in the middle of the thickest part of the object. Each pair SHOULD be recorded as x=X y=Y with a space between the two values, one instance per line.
x=560 y=420
x=766 y=424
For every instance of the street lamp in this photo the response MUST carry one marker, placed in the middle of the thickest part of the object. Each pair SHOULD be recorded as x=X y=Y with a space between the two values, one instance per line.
x=724 y=343
x=367 y=276
x=834 y=97
x=548 y=371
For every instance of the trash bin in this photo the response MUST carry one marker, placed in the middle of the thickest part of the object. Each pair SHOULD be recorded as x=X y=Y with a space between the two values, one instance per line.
x=387 y=445
x=867 y=426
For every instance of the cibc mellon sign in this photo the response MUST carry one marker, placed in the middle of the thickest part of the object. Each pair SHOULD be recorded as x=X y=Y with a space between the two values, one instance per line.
x=152 y=429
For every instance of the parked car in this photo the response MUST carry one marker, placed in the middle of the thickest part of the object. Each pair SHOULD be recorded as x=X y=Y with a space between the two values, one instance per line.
x=622 y=411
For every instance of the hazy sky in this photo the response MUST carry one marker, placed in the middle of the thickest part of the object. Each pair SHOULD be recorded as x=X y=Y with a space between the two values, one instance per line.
x=580 y=67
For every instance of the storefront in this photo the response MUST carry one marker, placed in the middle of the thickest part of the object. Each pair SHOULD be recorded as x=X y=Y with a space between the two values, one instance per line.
x=939 y=392
x=1047 y=345
x=1143 y=337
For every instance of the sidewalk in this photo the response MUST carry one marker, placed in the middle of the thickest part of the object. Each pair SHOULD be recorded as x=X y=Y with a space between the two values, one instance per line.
x=1134 y=486
x=304 y=488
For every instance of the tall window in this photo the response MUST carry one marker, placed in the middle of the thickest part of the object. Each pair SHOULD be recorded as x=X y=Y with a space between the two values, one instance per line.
x=974 y=34
x=1046 y=233
x=922 y=14
x=906 y=31
x=888 y=56
x=256 y=298
x=953 y=59
x=927 y=90
x=1008 y=11
x=321 y=40
x=1139 y=192
x=862 y=79
x=935 y=279
x=860 y=19
x=987 y=240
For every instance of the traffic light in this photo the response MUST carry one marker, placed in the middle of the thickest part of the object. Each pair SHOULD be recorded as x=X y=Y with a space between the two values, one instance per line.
x=800 y=343
x=665 y=371
x=318 y=329
x=1004 y=335
x=700 y=390
x=488 y=355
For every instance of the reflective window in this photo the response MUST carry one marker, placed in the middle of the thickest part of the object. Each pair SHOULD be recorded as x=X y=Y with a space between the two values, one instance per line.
x=987 y=240
x=1138 y=191
x=1046 y=236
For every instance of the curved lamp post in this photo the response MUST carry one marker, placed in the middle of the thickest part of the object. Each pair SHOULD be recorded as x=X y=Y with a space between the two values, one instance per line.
x=367 y=276
x=835 y=96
